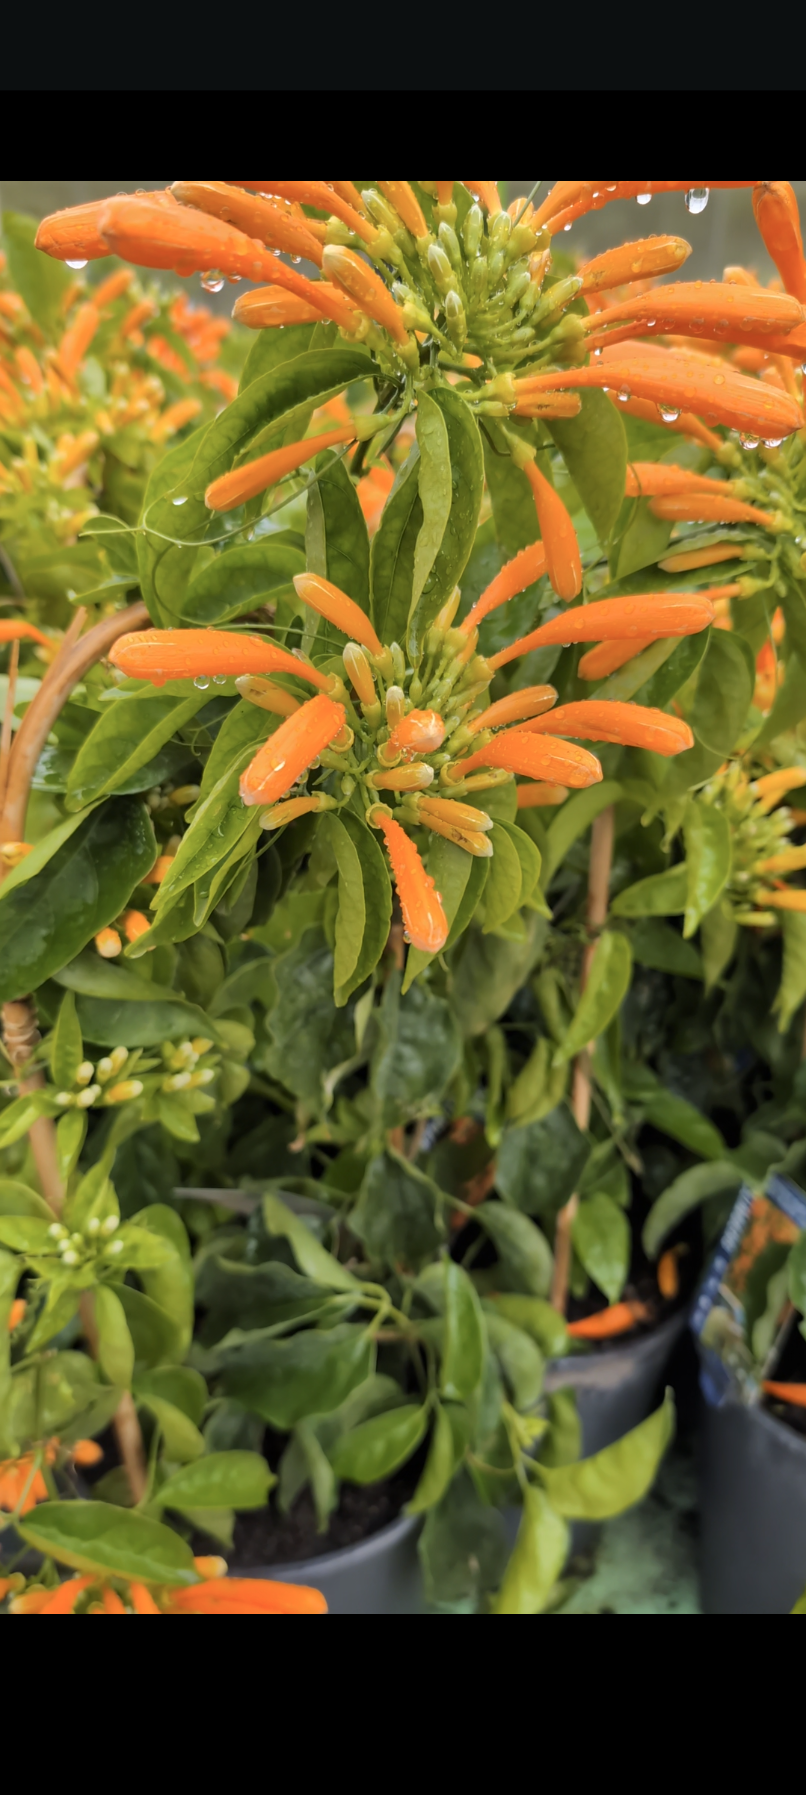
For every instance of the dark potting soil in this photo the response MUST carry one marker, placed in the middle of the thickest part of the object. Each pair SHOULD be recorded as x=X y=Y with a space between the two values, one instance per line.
x=266 y=1537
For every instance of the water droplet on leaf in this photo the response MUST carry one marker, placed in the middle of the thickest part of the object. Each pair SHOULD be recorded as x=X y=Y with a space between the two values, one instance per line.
x=182 y=501
x=201 y=681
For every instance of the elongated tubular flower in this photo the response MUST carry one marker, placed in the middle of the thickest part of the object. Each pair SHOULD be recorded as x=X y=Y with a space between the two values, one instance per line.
x=559 y=536
x=656 y=479
x=252 y=477
x=533 y=797
x=135 y=924
x=790 y=860
x=772 y=787
x=288 y=811
x=787 y=899
x=544 y=757
x=420 y=732
x=162 y=654
x=359 y=673
x=290 y=751
x=332 y=603
x=270 y=307
x=175 y=418
x=217 y=1595
x=569 y=200
x=365 y=288
x=29 y=369
x=607 y=657
x=113 y=287
x=685 y=383
x=77 y=338
x=413 y=778
x=14 y=629
x=683 y=423
x=530 y=701
x=633 y=261
x=407 y=206
x=72 y=235
x=616 y=619
x=706 y=507
x=266 y=696
x=424 y=919
x=108 y=943
x=255 y=215
x=325 y=198
x=607 y=720
x=487 y=195
x=776 y=213
x=70 y=455
x=524 y=568
x=450 y=810
x=473 y=841
x=714 y=309
x=688 y=560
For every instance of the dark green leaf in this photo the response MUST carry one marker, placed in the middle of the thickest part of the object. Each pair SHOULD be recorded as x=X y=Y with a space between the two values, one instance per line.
x=593 y=446
x=311 y=1257
x=66 y=1047
x=572 y=819
x=115 y=1346
x=662 y=894
x=655 y=943
x=310 y=1374
x=523 y=1250
x=128 y=734
x=604 y=993
x=686 y=1193
x=601 y=1234
x=39 y=279
x=439 y=1465
x=539 y=1167
x=707 y=835
x=336 y=540
x=463 y=1546
x=456 y=542
x=309 y=1035
x=674 y=1116
x=397 y=1215
x=463 y=1344
x=392 y=553
x=539 y=1554
x=241 y=579
x=417 y=1051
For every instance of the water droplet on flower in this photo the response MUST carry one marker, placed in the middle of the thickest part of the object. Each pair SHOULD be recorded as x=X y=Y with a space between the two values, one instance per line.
x=624 y=394
x=566 y=227
x=669 y=413
x=219 y=679
x=611 y=186
x=650 y=323
x=77 y=265
x=773 y=442
x=201 y=681
x=212 y=282
x=719 y=380
x=597 y=351
x=748 y=442
x=182 y=501
x=697 y=199
x=643 y=198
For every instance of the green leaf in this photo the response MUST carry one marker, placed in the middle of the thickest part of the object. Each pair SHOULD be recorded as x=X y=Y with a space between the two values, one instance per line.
x=416 y=1052
x=463 y=1546
x=604 y=993
x=792 y=988
x=66 y=1046
x=796 y=1269
x=271 y=347
x=270 y=404
x=115 y=1345
x=530 y=862
x=242 y=578
x=489 y=969
x=239 y=1480
x=539 y=1166
x=719 y=932
x=336 y=540
x=721 y=702
x=523 y=1250
x=684 y=1194
x=365 y=901
x=39 y=279
x=789 y=708
x=537 y=1318
x=661 y=686
x=639 y=673
x=514 y=514
x=593 y=446
x=435 y=491
x=397 y=1214
x=656 y=944
x=284 y=1381
x=675 y=1116
x=40 y=855
x=17 y=1199
x=378 y=1447
x=312 y=1258
x=392 y=552
x=26 y=1234
x=644 y=539
x=707 y=835
x=158 y=1338
x=463 y=1344
x=521 y=1361
x=129 y=732
x=502 y=892
x=309 y=1035
x=572 y=819
x=601 y=1234
x=449 y=867
x=220 y=818
x=466 y=472
x=116 y=1542
x=439 y=1466
x=616 y=1478
x=83 y=887
x=562 y=1442
x=538 y=1557
x=185 y=1389
x=662 y=894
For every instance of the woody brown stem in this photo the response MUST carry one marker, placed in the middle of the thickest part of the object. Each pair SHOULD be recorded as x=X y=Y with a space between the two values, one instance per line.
x=19 y=1022
x=601 y=861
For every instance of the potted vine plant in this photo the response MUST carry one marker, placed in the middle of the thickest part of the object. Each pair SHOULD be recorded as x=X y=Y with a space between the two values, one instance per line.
x=354 y=730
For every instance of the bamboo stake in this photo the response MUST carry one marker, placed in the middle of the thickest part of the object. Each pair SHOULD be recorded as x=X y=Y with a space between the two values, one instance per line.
x=601 y=860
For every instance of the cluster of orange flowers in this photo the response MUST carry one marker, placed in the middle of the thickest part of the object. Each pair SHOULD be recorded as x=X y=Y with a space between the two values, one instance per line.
x=215 y=1593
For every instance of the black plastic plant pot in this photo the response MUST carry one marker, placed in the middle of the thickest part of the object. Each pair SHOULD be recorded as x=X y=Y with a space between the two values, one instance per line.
x=753 y=1511
x=379 y=1575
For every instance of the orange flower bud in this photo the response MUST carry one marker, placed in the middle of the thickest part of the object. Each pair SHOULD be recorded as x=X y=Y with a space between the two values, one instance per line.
x=772 y=787
x=413 y=778
x=606 y=657
x=366 y=288
x=666 y=613
x=135 y=924
x=790 y=860
x=559 y=536
x=86 y=1452
x=683 y=423
x=359 y=673
x=419 y=732
x=373 y=492
x=706 y=507
x=633 y=261
x=684 y=382
x=472 y=840
x=290 y=751
x=292 y=808
x=776 y=213
x=533 y=797
x=108 y=943
x=29 y=369
x=424 y=919
x=113 y=287
x=252 y=477
x=487 y=195
x=270 y=307
x=407 y=206
x=14 y=629
x=605 y=720
x=258 y=217
x=449 y=810
x=266 y=696
x=535 y=757
x=340 y=610
x=159 y=655
x=326 y=197
x=77 y=338
x=569 y=200
x=175 y=418
x=784 y=900
x=655 y=479
x=530 y=701
x=69 y=455
x=714 y=309
x=16 y=1313
x=12 y=852
x=73 y=235
x=158 y=871
x=518 y=573
x=139 y=314
x=689 y=559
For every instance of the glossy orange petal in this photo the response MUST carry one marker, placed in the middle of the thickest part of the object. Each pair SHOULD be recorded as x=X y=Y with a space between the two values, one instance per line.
x=159 y=655
x=331 y=602
x=625 y=619
x=606 y=720
x=536 y=757
x=424 y=918
x=290 y=751
x=524 y=568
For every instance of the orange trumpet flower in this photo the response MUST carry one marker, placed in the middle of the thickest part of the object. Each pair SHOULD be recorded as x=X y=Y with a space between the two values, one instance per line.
x=561 y=763
x=710 y=507
x=656 y=479
x=13 y=629
x=365 y=288
x=420 y=732
x=255 y=215
x=608 y=1323
x=690 y=559
x=162 y=866
x=530 y=701
x=162 y=654
x=524 y=568
x=487 y=195
x=633 y=261
x=135 y=924
x=332 y=603
x=559 y=536
x=29 y=369
x=715 y=309
x=533 y=797
x=211 y=1595
x=108 y=943
x=451 y=810
x=776 y=214
x=252 y=477
x=77 y=338
x=795 y=1394
x=407 y=206
x=413 y=778
x=292 y=808
x=175 y=418
x=683 y=423
x=605 y=720
x=424 y=919
x=607 y=657
x=786 y=899
x=270 y=307
x=325 y=197
x=72 y=235
x=619 y=619
x=569 y=200
x=113 y=287
x=290 y=751
x=685 y=382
